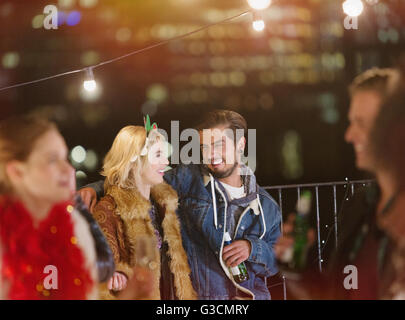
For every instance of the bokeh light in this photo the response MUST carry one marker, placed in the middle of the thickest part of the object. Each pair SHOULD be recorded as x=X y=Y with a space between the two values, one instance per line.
x=66 y=4
x=123 y=34
x=89 y=58
x=38 y=21
x=73 y=18
x=78 y=154
x=91 y=160
x=258 y=25
x=88 y=3
x=6 y=9
x=10 y=60
x=89 y=85
x=353 y=8
x=259 y=4
x=81 y=175
x=62 y=16
x=291 y=154
x=157 y=92
x=90 y=95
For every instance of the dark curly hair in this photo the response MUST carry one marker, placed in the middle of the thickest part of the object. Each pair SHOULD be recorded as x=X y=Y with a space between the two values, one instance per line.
x=228 y=118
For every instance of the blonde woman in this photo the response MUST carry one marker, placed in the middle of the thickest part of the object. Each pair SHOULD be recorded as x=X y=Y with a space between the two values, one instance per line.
x=138 y=205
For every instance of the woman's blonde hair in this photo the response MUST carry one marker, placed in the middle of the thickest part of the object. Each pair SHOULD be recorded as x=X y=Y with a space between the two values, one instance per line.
x=119 y=167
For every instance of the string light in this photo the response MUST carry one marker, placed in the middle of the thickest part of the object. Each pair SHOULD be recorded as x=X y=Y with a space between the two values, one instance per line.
x=259 y=4
x=89 y=84
x=353 y=8
x=258 y=22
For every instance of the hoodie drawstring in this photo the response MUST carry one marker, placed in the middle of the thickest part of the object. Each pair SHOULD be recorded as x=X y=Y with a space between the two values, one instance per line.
x=262 y=215
x=214 y=201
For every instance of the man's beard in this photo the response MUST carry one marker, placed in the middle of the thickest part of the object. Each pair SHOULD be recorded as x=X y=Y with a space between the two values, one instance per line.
x=223 y=174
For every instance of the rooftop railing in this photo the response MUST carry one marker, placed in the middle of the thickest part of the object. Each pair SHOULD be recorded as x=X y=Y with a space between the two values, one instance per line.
x=326 y=208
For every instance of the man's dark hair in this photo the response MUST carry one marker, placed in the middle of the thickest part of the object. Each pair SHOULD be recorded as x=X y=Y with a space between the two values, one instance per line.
x=375 y=79
x=229 y=119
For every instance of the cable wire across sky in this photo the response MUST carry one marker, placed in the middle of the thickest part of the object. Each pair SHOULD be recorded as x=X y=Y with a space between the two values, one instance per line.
x=125 y=55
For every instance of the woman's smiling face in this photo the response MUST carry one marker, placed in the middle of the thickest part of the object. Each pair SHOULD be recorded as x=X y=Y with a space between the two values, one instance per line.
x=46 y=174
x=153 y=172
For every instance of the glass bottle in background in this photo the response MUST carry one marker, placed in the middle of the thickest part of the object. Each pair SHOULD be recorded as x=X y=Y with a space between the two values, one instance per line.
x=301 y=227
x=239 y=273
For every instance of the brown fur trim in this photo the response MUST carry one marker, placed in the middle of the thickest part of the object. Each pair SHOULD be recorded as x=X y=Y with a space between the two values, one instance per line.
x=178 y=263
x=125 y=269
x=104 y=293
x=165 y=196
x=134 y=209
x=130 y=203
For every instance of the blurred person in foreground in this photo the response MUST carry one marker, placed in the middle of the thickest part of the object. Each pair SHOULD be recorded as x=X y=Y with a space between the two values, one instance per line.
x=47 y=248
x=105 y=259
x=139 y=205
x=387 y=145
x=361 y=243
x=359 y=238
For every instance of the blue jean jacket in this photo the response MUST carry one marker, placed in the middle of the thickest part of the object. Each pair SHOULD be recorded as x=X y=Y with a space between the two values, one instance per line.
x=203 y=237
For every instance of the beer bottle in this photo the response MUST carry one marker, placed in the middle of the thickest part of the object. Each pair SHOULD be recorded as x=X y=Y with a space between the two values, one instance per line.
x=239 y=273
x=301 y=227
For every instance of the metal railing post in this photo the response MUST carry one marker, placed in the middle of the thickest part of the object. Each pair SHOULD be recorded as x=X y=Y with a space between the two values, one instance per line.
x=335 y=215
x=346 y=184
x=318 y=227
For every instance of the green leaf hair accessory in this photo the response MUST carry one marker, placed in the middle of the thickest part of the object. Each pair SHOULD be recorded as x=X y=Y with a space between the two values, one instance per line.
x=148 y=128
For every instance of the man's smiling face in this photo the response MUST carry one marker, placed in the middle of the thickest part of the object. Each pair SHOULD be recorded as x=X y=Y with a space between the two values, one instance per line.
x=364 y=108
x=219 y=151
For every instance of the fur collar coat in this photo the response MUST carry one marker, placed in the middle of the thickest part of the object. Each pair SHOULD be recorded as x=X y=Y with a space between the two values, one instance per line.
x=123 y=215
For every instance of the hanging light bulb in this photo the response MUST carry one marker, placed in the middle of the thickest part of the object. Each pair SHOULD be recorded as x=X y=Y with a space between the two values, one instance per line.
x=353 y=8
x=89 y=83
x=259 y=4
x=258 y=22
x=259 y=25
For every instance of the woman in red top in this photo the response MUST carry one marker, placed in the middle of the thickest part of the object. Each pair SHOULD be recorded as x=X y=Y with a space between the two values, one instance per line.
x=46 y=248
